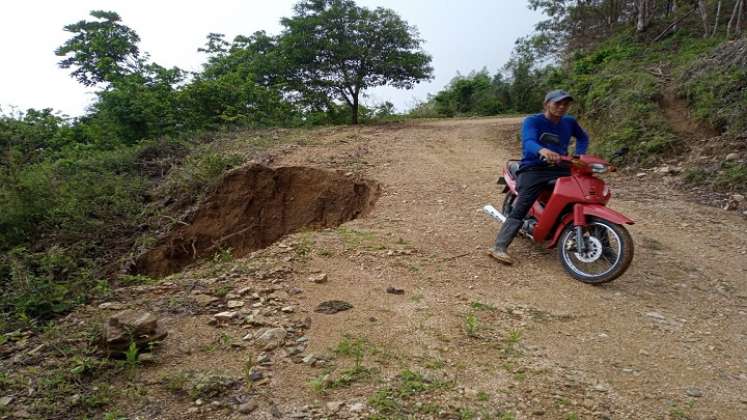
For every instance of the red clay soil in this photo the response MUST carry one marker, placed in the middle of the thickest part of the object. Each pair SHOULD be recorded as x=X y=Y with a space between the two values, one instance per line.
x=255 y=206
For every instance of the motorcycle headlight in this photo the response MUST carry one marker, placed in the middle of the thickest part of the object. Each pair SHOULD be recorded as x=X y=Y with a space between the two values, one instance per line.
x=599 y=168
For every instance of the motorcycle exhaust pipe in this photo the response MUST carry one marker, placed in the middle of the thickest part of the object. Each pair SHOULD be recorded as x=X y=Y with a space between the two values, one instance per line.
x=495 y=214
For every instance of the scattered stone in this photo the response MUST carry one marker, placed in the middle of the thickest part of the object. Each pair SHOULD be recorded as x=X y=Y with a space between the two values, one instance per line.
x=244 y=291
x=248 y=407
x=199 y=402
x=738 y=198
x=357 y=407
x=248 y=336
x=656 y=315
x=21 y=414
x=334 y=406
x=395 y=291
x=263 y=359
x=600 y=388
x=539 y=412
x=272 y=338
x=146 y=358
x=309 y=359
x=318 y=279
x=295 y=291
x=5 y=401
x=131 y=326
x=256 y=375
x=204 y=300
x=694 y=392
x=234 y=304
x=732 y=156
x=288 y=309
x=226 y=316
x=640 y=174
x=331 y=307
x=113 y=306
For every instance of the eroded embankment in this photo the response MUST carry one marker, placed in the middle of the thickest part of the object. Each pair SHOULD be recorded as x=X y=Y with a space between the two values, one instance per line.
x=255 y=206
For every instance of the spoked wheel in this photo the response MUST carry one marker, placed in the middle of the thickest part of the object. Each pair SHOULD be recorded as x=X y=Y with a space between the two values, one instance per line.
x=508 y=204
x=609 y=252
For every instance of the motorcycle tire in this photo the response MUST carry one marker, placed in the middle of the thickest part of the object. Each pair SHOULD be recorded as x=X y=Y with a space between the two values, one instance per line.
x=508 y=204
x=625 y=257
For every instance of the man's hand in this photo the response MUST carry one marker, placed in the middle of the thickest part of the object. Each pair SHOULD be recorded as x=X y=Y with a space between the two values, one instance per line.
x=549 y=155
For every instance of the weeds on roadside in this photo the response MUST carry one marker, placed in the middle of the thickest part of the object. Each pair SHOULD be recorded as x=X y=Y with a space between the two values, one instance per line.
x=471 y=325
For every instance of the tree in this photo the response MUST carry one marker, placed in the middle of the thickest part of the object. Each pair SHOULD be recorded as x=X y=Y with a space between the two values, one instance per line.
x=102 y=50
x=336 y=49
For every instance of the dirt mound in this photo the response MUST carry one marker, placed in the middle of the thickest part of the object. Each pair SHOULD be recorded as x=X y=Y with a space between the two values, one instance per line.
x=255 y=206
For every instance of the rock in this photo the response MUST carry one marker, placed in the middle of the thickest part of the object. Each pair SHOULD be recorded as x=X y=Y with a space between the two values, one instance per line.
x=394 y=291
x=738 y=198
x=5 y=401
x=248 y=336
x=288 y=309
x=244 y=291
x=146 y=358
x=295 y=291
x=247 y=407
x=309 y=359
x=332 y=307
x=272 y=338
x=655 y=315
x=114 y=306
x=334 y=406
x=640 y=174
x=234 y=304
x=131 y=326
x=199 y=402
x=694 y=392
x=600 y=388
x=204 y=300
x=732 y=156
x=256 y=375
x=357 y=407
x=318 y=279
x=226 y=316
x=21 y=414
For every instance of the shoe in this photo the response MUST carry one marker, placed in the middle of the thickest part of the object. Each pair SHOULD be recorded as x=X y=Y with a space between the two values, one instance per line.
x=501 y=256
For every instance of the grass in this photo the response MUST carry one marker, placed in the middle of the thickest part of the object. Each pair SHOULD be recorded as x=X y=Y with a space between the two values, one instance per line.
x=471 y=325
x=356 y=348
x=482 y=306
x=394 y=401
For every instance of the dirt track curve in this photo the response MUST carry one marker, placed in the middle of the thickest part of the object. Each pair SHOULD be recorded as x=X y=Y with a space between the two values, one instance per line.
x=666 y=340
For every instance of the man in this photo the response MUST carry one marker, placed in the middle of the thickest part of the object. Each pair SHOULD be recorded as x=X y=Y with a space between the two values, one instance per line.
x=537 y=164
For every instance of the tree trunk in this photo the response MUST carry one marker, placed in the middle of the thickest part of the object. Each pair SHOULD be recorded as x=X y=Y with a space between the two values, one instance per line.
x=734 y=21
x=354 y=109
x=739 y=17
x=703 y=9
x=718 y=16
x=641 y=22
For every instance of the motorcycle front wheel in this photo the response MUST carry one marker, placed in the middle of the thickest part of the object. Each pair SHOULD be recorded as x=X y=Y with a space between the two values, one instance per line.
x=608 y=251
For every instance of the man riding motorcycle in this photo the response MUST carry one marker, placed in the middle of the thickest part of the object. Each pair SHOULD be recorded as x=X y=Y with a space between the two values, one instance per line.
x=537 y=163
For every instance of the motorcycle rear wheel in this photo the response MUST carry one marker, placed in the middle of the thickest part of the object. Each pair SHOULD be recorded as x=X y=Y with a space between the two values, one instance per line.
x=610 y=250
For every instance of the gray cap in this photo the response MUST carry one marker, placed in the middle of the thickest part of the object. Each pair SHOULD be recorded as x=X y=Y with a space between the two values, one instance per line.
x=557 y=95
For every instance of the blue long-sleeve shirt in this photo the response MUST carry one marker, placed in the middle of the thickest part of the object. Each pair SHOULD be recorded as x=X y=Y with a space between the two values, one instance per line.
x=535 y=125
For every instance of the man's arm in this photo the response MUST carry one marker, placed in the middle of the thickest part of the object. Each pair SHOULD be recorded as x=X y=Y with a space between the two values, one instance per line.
x=530 y=138
x=582 y=139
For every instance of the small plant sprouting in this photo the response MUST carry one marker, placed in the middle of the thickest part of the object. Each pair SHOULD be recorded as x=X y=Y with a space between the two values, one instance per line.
x=132 y=355
x=223 y=255
x=471 y=325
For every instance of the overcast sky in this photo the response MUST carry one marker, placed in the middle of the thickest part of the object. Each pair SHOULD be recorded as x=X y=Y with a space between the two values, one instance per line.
x=460 y=35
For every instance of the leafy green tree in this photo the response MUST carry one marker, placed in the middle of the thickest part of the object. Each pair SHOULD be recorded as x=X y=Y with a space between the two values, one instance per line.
x=101 y=51
x=337 y=49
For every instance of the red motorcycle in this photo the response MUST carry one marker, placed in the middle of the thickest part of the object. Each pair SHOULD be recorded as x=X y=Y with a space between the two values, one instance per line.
x=594 y=246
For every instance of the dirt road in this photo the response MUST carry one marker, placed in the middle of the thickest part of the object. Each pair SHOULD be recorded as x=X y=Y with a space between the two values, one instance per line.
x=473 y=339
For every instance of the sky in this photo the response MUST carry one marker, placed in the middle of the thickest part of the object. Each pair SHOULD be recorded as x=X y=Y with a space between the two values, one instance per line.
x=461 y=36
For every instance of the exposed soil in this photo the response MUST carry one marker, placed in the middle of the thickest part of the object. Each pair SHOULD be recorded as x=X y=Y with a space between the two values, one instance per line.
x=256 y=205
x=476 y=339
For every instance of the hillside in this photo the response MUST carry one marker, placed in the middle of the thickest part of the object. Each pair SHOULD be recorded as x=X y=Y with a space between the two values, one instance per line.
x=429 y=326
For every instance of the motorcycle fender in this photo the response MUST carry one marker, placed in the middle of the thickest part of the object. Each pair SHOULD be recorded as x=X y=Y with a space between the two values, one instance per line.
x=588 y=210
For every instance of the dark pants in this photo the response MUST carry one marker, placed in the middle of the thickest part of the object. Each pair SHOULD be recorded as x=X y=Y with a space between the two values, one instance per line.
x=530 y=183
